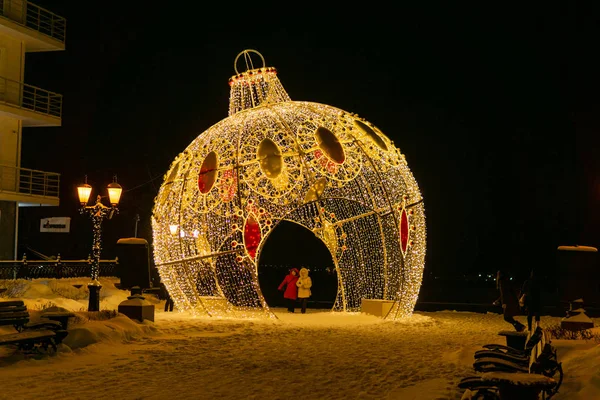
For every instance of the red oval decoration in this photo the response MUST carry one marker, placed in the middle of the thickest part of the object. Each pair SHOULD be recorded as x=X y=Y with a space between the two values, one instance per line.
x=330 y=145
x=208 y=173
x=403 y=230
x=251 y=235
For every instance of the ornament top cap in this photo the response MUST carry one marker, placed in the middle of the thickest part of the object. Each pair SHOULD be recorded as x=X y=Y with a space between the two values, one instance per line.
x=256 y=86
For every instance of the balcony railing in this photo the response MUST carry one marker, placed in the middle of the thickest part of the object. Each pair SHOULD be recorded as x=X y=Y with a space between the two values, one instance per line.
x=29 y=97
x=29 y=181
x=34 y=17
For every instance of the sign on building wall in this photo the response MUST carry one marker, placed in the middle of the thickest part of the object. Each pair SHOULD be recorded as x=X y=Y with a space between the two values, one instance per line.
x=55 y=224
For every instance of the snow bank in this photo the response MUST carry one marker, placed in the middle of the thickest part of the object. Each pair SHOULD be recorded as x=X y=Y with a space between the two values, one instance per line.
x=317 y=355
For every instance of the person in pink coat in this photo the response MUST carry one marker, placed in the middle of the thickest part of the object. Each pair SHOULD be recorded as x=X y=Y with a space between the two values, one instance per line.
x=290 y=293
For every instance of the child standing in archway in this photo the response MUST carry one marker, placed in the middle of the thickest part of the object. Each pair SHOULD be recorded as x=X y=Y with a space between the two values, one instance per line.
x=304 y=283
x=290 y=293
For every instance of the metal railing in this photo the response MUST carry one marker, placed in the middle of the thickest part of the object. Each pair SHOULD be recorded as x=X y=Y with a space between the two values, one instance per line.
x=33 y=269
x=34 y=17
x=29 y=181
x=30 y=97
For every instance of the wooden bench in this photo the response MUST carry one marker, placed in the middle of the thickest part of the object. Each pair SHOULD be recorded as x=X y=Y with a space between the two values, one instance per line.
x=30 y=340
x=515 y=339
x=14 y=313
x=30 y=336
x=508 y=385
x=523 y=378
x=514 y=354
x=61 y=317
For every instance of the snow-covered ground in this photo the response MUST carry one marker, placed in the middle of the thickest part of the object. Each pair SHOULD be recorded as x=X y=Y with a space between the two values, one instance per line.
x=318 y=355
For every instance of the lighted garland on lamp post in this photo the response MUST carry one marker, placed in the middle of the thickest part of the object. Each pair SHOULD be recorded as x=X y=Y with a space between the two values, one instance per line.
x=98 y=212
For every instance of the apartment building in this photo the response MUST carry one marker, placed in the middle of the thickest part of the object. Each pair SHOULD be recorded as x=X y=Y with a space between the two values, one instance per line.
x=24 y=28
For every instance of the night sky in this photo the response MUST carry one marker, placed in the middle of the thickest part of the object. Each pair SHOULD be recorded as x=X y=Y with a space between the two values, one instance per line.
x=495 y=107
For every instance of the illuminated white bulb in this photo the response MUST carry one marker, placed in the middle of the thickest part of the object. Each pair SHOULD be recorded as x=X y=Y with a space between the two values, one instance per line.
x=173 y=229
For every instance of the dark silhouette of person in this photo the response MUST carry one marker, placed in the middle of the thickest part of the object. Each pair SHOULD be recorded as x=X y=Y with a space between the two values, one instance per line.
x=509 y=300
x=533 y=299
x=164 y=294
x=290 y=293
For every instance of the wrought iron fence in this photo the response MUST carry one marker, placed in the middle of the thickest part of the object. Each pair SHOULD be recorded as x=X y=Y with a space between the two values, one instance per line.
x=33 y=269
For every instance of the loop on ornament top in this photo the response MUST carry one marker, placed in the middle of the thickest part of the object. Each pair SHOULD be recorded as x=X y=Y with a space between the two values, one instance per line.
x=248 y=59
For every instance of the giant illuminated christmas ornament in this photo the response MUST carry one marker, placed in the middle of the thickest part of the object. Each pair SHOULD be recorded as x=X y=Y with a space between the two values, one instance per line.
x=274 y=159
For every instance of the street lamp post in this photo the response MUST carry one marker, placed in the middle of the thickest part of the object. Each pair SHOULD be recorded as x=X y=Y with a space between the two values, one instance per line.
x=98 y=212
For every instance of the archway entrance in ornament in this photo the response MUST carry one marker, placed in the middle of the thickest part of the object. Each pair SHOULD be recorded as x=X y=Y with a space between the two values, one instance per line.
x=292 y=245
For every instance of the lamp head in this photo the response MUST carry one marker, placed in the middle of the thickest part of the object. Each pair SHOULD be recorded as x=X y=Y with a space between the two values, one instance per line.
x=83 y=191
x=114 y=192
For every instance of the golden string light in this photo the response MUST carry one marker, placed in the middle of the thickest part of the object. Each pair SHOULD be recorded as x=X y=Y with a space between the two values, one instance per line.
x=275 y=159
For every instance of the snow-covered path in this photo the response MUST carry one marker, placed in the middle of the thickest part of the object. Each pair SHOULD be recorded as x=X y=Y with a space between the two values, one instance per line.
x=318 y=355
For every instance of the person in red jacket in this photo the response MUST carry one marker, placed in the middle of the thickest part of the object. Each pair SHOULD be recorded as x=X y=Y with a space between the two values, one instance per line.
x=290 y=293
